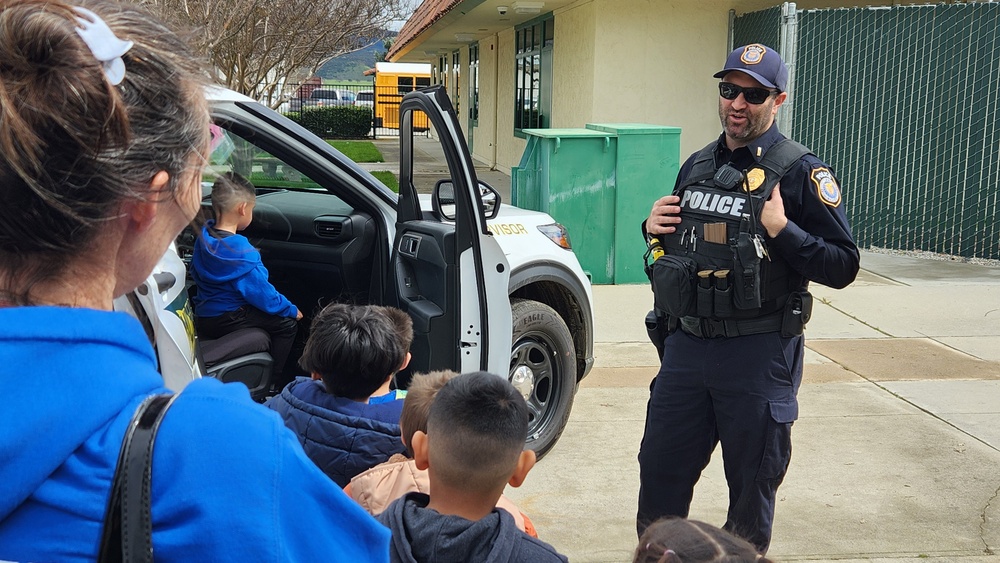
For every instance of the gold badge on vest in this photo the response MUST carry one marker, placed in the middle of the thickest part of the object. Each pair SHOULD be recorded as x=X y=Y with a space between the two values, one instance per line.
x=755 y=178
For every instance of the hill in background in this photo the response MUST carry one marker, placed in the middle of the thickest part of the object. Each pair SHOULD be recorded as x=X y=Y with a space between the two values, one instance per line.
x=351 y=66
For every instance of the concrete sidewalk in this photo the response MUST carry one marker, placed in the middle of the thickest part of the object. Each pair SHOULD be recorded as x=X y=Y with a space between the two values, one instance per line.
x=897 y=448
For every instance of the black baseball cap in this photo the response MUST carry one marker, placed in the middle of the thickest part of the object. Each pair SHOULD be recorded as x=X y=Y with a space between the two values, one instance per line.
x=759 y=62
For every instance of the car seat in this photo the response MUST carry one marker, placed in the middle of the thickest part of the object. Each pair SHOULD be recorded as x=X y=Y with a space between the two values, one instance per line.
x=242 y=356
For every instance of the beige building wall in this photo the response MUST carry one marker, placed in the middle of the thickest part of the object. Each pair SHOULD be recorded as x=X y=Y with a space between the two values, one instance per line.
x=574 y=68
x=509 y=147
x=484 y=134
x=656 y=60
x=631 y=61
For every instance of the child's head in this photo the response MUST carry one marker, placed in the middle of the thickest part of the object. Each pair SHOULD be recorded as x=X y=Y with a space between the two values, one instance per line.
x=475 y=436
x=233 y=197
x=417 y=404
x=354 y=349
x=403 y=324
x=677 y=540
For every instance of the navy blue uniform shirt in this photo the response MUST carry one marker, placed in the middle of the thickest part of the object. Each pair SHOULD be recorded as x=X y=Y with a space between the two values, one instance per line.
x=817 y=242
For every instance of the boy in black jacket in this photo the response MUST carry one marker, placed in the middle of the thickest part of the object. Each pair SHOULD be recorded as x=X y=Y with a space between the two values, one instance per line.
x=473 y=447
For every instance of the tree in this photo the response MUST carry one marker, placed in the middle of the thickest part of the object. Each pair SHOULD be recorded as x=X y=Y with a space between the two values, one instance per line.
x=258 y=46
x=387 y=46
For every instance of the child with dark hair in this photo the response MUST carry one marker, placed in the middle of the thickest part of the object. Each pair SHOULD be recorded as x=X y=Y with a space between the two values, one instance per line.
x=678 y=540
x=379 y=486
x=342 y=414
x=404 y=334
x=473 y=447
x=233 y=287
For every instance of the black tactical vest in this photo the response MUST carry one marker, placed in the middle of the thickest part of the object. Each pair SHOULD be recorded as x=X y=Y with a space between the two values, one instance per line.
x=716 y=264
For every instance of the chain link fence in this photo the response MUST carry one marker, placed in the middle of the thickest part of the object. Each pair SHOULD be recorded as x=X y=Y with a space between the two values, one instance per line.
x=902 y=102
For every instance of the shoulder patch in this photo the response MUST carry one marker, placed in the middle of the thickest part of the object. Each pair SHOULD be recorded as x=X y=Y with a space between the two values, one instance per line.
x=826 y=186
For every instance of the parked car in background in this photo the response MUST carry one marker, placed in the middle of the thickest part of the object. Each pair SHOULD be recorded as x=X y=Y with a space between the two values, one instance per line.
x=323 y=97
x=365 y=98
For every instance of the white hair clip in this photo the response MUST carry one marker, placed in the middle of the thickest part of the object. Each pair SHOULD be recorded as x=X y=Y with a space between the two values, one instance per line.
x=104 y=44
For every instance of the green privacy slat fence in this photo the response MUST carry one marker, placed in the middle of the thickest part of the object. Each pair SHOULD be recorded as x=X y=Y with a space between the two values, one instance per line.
x=763 y=26
x=903 y=103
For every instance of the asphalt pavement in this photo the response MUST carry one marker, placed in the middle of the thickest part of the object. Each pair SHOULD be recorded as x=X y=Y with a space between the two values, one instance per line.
x=896 y=453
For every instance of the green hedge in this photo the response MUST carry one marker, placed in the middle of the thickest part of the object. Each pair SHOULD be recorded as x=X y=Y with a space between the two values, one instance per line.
x=336 y=122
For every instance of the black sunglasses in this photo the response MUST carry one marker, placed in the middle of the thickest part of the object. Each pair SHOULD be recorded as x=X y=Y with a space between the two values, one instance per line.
x=754 y=96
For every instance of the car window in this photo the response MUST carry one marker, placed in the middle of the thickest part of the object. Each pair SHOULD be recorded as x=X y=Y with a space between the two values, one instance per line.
x=366 y=96
x=347 y=96
x=232 y=153
x=324 y=94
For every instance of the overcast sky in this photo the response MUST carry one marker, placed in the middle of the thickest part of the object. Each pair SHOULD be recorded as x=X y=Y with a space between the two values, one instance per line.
x=409 y=10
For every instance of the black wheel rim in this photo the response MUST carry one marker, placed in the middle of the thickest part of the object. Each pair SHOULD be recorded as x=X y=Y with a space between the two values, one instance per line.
x=535 y=373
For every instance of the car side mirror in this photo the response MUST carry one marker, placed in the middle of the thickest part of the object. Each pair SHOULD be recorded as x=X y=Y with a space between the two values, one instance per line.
x=443 y=199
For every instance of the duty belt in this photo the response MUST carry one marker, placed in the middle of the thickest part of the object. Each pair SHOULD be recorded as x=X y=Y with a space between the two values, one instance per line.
x=718 y=328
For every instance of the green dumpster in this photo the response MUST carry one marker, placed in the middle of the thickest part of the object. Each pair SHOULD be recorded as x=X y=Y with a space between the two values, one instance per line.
x=570 y=174
x=600 y=183
x=647 y=166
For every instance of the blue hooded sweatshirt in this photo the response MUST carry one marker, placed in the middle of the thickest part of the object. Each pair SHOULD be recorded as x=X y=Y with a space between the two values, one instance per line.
x=229 y=274
x=229 y=481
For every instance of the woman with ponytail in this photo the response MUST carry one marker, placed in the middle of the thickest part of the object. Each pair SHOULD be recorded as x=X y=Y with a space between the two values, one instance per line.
x=103 y=137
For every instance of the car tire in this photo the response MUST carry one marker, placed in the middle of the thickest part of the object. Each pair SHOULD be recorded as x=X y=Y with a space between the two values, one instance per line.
x=543 y=369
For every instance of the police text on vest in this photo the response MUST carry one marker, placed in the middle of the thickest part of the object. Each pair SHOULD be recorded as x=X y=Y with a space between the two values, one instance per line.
x=719 y=204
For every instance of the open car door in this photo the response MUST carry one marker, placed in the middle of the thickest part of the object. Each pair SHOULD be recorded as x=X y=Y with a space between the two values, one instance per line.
x=448 y=272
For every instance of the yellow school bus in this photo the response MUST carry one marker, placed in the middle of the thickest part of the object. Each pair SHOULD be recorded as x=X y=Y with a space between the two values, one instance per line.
x=392 y=82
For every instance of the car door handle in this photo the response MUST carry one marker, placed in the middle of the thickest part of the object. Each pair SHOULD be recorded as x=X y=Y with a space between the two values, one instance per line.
x=408 y=245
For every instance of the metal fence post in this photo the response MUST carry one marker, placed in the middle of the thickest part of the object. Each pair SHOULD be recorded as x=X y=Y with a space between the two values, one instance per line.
x=789 y=51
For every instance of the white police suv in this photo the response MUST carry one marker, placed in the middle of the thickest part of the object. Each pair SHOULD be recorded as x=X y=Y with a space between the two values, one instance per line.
x=489 y=286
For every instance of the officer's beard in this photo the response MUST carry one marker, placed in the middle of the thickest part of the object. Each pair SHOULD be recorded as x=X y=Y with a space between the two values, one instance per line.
x=756 y=122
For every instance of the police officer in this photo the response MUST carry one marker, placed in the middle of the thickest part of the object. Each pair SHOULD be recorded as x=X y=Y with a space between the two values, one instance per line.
x=731 y=367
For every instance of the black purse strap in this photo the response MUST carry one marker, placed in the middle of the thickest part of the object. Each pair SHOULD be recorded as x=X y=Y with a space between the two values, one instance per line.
x=128 y=527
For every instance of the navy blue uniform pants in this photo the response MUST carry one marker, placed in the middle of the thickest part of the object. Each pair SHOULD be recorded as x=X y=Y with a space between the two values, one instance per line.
x=738 y=391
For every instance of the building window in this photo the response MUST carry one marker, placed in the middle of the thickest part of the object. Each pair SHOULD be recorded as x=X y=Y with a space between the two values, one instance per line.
x=474 y=83
x=443 y=71
x=456 y=66
x=533 y=75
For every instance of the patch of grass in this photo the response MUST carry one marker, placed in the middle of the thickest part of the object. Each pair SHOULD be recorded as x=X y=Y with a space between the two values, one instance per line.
x=358 y=151
x=387 y=178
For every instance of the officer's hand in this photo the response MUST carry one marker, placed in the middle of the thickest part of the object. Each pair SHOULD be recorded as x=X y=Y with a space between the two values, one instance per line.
x=773 y=215
x=298 y=315
x=664 y=216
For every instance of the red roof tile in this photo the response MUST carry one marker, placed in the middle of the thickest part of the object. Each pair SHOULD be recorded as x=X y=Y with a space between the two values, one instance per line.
x=428 y=12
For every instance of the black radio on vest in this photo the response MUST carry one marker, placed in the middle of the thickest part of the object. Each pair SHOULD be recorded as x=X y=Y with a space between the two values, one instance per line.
x=715 y=265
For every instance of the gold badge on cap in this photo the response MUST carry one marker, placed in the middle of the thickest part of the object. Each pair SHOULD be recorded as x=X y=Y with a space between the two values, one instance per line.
x=826 y=186
x=753 y=54
x=755 y=177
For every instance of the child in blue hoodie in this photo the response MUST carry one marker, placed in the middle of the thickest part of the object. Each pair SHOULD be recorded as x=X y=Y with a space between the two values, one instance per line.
x=233 y=289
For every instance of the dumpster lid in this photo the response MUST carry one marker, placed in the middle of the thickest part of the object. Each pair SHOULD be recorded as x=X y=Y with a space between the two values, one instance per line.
x=554 y=133
x=633 y=128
